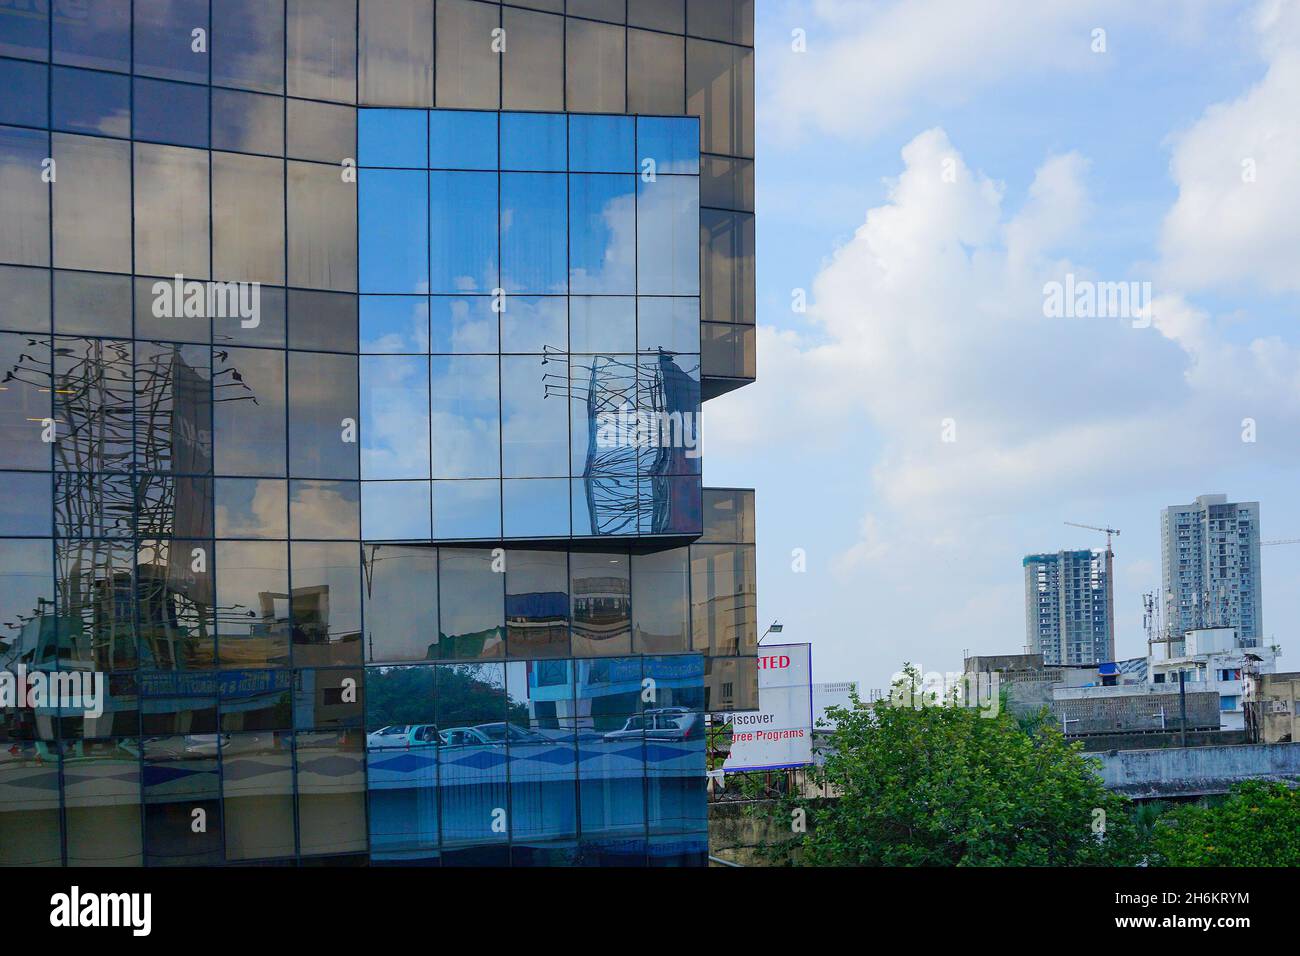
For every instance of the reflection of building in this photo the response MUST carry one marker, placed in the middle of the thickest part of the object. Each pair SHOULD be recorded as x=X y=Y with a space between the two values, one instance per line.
x=375 y=498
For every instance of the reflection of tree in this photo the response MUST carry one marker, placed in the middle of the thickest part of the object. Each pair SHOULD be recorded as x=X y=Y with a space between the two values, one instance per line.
x=465 y=695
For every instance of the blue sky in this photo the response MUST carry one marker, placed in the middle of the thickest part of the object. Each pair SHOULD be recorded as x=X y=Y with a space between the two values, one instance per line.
x=925 y=304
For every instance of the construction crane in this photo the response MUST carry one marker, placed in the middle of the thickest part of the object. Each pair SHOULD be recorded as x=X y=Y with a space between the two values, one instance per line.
x=1265 y=544
x=1107 y=531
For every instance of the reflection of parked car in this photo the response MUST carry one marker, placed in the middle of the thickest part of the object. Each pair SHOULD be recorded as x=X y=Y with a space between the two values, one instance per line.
x=667 y=723
x=402 y=737
x=493 y=734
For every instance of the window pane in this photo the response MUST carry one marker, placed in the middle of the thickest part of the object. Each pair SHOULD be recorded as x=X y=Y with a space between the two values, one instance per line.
x=465 y=509
x=533 y=65
x=667 y=15
x=720 y=90
x=534 y=231
x=24 y=402
x=322 y=320
x=324 y=132
x=164 y=39
x=247 y=122
x=171 y=234
x=247 y=218
x=614 y=11
x=92 y=212
x=173 y=410
x=396 y=138
x=463 y=240
x=24 y=199
x=465 y=420
x=728 y=266
x=26 y=598
x=177 y=626
x=248 y=387
x=94 y=584
x=728 y=20
x=401 y=602
x=248 y=44
x=323 y=414
x=253 y=603
x=326 y=603
x=322 y=228
x=469 y=68
x=331 y=775
x=257 y=795
x=394 y=230
x=471 y=620
x=91 y=303
x=459 y=140
x=669 y=325
x=26 y=503
x=98 y=36
x=26 y=297
x=26 y=34
x=534 y=142
x=537 y=604
x=395 y=324
x=668 y=224
x=464 y=324
x=86 y=102
x=656 y=73
x=724 y=611
x=602 y=324
x=602 y=604
x=325 y=509
x=659 y=602
x=396 y=55
x=322 y=49
x=673 y=144
x=25 y=102
x=595 y=68
x=92 y=389
x=252 y=508
x=394 y=417
x=535 y=507
x=602 y=144
x=170 y=113
x=396 y=510
x=101 y=803
x=534 y=423
x=602 y=244
x=535 y=324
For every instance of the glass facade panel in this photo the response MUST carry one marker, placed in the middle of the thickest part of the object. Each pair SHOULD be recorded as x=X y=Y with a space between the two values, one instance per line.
x=264 y=526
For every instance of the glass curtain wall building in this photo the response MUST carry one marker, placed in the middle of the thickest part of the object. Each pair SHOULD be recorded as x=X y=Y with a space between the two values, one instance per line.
x=353 y=356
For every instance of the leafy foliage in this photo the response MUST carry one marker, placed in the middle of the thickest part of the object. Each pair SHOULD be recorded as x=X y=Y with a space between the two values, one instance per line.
x=1257 y=825
x=946 y=785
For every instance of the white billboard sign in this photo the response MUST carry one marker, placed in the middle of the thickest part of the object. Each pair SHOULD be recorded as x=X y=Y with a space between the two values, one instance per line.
x=779 y=733
x=830 y=695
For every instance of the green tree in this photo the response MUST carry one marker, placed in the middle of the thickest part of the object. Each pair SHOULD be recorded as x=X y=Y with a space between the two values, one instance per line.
x=1257 y=825
x=948 y=785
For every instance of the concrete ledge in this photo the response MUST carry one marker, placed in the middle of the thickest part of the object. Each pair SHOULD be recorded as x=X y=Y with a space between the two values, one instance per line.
x=1197 y=771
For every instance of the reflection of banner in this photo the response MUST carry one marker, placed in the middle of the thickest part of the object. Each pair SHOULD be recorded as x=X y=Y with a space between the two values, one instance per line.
x=779 y=733
x=191 y=455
